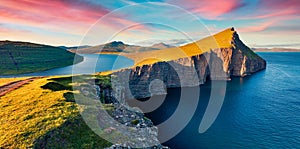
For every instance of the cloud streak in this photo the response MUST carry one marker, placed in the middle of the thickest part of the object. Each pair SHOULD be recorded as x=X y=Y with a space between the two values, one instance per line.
x=43 y=11
x=257 y=27
x=51 y=15
x=264 y=9
x=71 y=17
x=74 y=17
x=209 y=9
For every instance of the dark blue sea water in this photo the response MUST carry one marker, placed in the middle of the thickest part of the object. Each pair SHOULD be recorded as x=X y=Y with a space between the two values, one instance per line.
x=92 y=63
x=259 y=111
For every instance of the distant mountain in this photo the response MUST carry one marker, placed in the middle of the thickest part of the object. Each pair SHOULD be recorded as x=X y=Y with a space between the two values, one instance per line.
x=25 y=57
x=74 y=47
x=275 y=50
x=161 y=46
x=118 y=46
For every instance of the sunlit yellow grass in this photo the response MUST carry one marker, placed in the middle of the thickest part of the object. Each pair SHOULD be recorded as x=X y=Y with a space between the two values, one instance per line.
x=4 y=81
x=29 y=112
x=220 y=40
x=104 y=73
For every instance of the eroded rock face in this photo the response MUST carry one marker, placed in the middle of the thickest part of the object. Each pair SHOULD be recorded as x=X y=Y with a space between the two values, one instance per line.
x=217 y=64
x=244 y=60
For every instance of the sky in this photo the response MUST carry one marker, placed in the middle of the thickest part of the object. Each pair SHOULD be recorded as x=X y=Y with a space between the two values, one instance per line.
x=260 y=23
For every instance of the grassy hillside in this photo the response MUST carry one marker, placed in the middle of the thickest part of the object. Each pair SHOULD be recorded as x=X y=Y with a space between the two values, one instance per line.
x=43 y=114
x=23 y=57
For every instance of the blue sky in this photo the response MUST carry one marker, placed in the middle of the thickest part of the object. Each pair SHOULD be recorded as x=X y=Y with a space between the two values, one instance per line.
x=260 y=23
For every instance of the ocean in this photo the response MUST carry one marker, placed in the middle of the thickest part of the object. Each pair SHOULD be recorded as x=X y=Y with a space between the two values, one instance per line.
x=259 y=111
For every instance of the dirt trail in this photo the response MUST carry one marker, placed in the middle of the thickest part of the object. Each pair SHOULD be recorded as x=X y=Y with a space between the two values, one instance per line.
x=15 y=85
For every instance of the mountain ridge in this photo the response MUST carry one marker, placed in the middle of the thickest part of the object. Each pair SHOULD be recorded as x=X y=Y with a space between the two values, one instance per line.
x=117 y=47
x=161 y=45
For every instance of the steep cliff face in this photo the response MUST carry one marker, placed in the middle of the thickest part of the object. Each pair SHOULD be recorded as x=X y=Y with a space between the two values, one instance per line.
x=239 y=60
x=217 y=64
x=244 y=60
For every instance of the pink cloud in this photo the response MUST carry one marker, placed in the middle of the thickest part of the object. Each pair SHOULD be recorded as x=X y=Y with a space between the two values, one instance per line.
x=72 y=17
x=210 y=9
x=55 y=15
x=281 y=4
x=257 y=27
x=274 y=14
x=53 y=11
x=278 y=8
x=67 y=16
x=282 y=9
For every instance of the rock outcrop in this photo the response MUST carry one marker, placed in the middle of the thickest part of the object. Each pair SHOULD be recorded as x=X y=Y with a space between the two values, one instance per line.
x=221 y=63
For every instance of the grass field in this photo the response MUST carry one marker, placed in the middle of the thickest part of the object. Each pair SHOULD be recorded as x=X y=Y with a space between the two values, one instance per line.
x=43 y=114
x=23 y=57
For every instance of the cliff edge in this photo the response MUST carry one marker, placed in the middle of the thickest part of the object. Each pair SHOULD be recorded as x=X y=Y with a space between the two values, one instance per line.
x=218 y=57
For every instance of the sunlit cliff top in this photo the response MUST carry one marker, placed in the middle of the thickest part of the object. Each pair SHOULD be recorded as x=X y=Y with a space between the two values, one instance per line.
x=220 y=40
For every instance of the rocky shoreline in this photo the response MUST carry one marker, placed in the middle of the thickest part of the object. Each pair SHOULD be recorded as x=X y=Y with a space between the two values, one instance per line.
x=130 y=117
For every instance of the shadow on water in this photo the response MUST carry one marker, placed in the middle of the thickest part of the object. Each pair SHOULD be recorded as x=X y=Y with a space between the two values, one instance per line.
x=259 y=111
x=190 y=137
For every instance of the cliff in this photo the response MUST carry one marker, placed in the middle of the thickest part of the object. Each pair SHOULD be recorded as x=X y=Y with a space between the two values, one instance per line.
x=218 y=57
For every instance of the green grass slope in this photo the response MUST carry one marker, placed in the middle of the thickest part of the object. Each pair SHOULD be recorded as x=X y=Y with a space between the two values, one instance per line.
x=24 y=57
x=43 y=114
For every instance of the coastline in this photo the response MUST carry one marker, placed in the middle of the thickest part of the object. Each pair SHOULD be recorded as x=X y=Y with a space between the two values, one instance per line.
x=278 y=51
x=110 y=53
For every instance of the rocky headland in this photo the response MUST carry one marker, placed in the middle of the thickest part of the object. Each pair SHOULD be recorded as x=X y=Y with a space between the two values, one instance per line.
x=229 y=58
